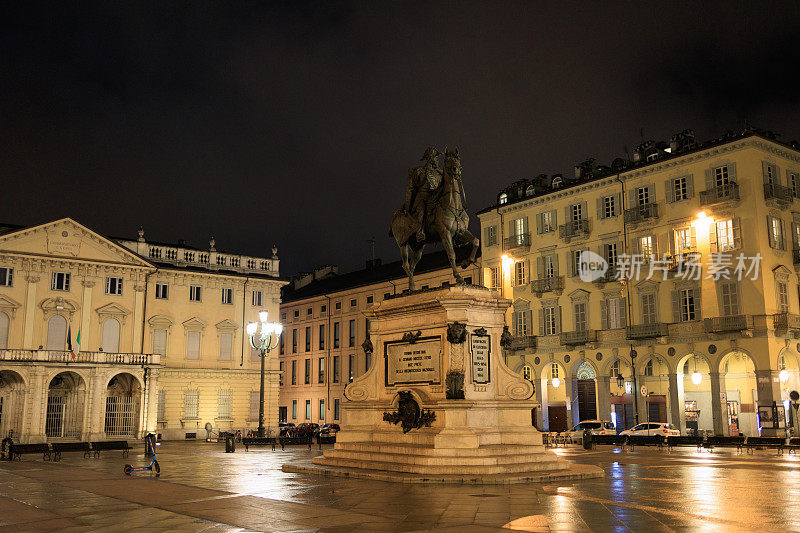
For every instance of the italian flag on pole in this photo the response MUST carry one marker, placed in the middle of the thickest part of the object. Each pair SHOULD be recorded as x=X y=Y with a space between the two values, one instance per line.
x=76 y=349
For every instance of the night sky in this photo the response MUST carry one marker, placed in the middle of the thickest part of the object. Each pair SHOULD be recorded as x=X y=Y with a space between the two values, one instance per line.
x=295 y=123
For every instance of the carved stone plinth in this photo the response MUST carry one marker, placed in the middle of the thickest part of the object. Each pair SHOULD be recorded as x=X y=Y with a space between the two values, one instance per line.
x=398 y=422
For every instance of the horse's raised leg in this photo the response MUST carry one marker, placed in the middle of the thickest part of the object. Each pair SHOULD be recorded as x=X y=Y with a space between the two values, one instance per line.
x=414 y=257
x=470 y=238
x=447 y=241
x=409 y=271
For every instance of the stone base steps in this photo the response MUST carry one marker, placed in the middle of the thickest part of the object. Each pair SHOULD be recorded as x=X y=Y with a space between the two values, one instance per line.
x=518 y=468
x=573 y=472
x=442 y=460
x=429 y=450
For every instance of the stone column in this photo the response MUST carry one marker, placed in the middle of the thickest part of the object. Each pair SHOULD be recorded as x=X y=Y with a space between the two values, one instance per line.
x=719 y=403
x=577 y=416
x=603 y=397
x=541 y=393
x=641 y=401
x=768 y=385
x=151 y=400
x=94 y=412
x=138 y=318
x=35 y=408
x=28 y=342
x=675 y=406
x=86 y=312
x=570 y=401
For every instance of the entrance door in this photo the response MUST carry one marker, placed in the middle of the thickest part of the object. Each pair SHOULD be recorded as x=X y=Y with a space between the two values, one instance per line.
x=587 y=399
x=282 y=413
x=558 y=417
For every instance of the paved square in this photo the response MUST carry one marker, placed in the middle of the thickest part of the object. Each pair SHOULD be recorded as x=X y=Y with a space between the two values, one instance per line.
x=201 y=488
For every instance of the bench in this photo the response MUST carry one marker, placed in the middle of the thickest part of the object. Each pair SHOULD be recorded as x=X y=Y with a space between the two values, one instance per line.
x=765 y=442
x=720 y=440
x=644 y=440
x=684 y=440
x=109 y=445
x=791 y=446
x=61 y=447
x=613 y=440
x=16 y=451
x=260 y=441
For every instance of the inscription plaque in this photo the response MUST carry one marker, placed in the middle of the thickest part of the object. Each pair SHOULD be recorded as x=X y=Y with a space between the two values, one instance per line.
x=420 y=362
x=480 y=347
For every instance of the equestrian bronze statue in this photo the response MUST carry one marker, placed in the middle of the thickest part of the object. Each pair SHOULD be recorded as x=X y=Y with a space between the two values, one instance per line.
x=434 y=211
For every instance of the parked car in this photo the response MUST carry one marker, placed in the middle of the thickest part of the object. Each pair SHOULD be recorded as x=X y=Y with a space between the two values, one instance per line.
x=652 y=428
x=306 y=429
x=328 y=430
x=285 y=428
x=596 y=427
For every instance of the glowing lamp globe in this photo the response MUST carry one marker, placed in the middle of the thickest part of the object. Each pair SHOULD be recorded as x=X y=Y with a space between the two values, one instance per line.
x=252 y=327
x=784 y=376
x=556 y=383
x=697 y=377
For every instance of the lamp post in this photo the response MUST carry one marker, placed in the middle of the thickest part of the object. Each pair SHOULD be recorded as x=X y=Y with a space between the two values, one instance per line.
x=265 y=341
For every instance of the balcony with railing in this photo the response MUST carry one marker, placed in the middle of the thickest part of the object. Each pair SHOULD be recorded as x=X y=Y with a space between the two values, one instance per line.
x=646 y=331
x=523 y=342
x=726 y=324
x=65 y=356
x=574 y=229
x=683 y=261
x=578 y=337
x=717 y=195
x=641 y=213
x=610 y=276
x=773 y=191
x=786 y=322
x=523 y=240
x=548 y=284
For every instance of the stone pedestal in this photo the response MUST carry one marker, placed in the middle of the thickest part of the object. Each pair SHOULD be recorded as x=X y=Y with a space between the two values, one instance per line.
x=482 y=431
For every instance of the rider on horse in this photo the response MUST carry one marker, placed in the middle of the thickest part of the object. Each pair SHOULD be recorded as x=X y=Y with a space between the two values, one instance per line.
x=422 y=181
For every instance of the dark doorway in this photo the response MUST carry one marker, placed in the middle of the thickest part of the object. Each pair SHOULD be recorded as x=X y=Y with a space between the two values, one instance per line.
x=587 y=399
x=624 y=415
x=558 y=417
x=282 y=413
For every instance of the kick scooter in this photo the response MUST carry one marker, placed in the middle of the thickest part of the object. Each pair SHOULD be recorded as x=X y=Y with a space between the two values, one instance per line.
x=153 y=466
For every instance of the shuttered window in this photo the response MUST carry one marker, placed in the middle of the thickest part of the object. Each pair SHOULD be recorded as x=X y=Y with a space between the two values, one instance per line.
x=111 y=336
x=727 y=235
x=57 y=333
x=160 y=341
x=255 y=398
x=4 y=327
x=649 y=308
x=225 y=346
x=776 y=233
x=686 y=305
x=782 y=296
x=490 y=236
x=193 y=345
x=581 y=318
x=191 y=400
x=520 y=273
x=161 y=406
x=522 y=322
x=729 y=298
x=224 y=398
x=550 y=320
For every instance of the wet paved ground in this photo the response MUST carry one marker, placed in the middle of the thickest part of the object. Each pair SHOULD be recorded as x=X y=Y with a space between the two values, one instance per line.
x=201 y=488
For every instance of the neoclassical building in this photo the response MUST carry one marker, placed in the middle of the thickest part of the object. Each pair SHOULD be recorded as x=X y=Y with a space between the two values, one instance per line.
x=109 y=338
x=715 y=352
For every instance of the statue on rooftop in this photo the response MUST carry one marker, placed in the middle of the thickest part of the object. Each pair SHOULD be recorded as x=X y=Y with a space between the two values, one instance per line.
x=434 y=210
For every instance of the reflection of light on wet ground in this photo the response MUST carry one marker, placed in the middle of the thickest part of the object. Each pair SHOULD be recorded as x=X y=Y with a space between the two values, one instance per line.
x=537 y=522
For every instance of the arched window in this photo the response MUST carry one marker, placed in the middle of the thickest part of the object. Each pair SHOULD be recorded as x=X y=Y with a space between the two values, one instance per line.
x=4 y=327
x=57 y=333
x=529 y=190
x=111 y=336
x=648 y=368
x=557 y=182
x=554 y=370
x=526 y=372
x=503 y=199
x=615 y=369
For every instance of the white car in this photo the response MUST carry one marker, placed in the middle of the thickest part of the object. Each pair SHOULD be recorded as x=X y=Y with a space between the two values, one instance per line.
x=652 y=428
x=596 y=427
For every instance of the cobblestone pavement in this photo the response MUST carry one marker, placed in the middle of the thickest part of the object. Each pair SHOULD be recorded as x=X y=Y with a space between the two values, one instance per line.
x=201 y=488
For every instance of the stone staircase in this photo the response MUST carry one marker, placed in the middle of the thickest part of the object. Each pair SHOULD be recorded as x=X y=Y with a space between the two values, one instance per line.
x=427 y=460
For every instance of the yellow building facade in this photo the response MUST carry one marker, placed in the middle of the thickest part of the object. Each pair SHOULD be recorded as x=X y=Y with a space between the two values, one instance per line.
x=109 y=338
x=709 y=353
x=324 y=328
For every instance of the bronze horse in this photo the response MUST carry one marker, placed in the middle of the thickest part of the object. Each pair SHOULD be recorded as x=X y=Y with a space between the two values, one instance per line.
x=446 y=221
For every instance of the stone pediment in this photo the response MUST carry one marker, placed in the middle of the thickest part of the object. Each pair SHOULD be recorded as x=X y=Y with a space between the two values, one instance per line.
x=57 y=306
x=227 y=325
x=112 y=311
x=194 y=324
x=66 y=238
x=9 y=306
x=160 y=321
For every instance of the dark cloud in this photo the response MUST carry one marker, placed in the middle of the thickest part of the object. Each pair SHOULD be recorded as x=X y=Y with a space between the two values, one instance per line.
x=294 y=122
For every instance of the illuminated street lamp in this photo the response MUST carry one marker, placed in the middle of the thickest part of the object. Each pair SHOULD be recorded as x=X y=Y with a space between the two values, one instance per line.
x=264 y=342
x=556 y=383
